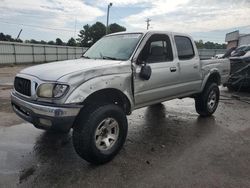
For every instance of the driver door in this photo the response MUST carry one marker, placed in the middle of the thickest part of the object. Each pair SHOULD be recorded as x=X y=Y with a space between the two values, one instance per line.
x=158 y=54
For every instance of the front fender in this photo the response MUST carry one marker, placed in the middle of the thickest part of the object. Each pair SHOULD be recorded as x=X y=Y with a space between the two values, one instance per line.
x=121 y=82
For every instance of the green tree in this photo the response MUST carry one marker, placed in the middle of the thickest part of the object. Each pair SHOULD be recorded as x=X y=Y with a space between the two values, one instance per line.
x=71 y=42
x=85 y=36
x=33 y=41
x=90 y=34
x=43 y=42
x=209 y=45
x=4 y=37
x=113 y=28
x=59 y=42
x=51 y=42
x=98 y=30
x=199 y=44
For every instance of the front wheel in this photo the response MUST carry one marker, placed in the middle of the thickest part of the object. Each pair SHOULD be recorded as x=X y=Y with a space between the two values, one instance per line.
x=207 y=102
x=100 y=132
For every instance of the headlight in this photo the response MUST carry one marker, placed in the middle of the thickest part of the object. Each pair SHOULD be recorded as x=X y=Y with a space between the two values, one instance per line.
x=59 y=90
x=51 y=90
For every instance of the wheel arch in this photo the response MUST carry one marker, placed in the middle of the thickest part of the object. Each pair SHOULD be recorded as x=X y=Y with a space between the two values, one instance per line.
x=110 y=95
x=212 y=77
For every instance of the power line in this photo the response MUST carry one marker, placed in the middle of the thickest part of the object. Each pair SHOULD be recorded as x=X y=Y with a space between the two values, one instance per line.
x=48 y=13
x=30 y=15
x=36 y=26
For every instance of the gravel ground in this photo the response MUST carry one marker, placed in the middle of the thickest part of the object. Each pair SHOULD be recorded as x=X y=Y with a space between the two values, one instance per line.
x=168 y=145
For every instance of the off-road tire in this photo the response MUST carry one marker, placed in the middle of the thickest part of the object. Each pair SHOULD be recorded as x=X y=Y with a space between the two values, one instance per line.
x=201 y=101
x=84 y=139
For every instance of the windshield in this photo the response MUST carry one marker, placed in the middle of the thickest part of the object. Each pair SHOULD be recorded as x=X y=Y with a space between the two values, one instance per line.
x=247 y=48
x=115 y=47
x=241 y=48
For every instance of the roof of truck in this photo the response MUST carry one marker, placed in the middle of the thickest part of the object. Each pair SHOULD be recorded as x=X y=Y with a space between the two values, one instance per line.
x=150 y=32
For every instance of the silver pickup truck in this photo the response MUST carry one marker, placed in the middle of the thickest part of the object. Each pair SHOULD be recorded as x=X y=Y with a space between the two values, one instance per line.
x=118 y=74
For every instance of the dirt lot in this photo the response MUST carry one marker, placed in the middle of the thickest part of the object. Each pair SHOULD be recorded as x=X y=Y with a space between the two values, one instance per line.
x=168 y=145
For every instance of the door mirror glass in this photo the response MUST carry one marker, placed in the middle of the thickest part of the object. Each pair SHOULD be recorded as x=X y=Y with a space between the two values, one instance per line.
x=145 y=72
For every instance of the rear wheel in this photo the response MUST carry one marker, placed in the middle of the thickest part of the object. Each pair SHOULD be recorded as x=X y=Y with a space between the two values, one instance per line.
x=207 y=102
x=100 y=132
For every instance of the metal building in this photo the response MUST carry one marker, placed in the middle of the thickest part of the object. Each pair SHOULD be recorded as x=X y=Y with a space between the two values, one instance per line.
x=235 y=39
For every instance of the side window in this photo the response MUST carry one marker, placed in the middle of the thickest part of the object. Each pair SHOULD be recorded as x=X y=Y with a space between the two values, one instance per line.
x=184 y=47
x=158 y=49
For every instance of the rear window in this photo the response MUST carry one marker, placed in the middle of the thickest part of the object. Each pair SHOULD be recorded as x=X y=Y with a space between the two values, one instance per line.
x=184 y=46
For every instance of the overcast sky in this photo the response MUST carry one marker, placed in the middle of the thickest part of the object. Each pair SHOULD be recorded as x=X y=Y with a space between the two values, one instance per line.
x=49 y=19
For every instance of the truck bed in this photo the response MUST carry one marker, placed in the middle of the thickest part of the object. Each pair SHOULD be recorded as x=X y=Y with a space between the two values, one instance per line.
x=223 y=65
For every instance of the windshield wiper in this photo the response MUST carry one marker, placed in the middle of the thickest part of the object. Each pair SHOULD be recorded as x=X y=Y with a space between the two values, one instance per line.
x=108 y=57
x=86 y=57
x=111 y=58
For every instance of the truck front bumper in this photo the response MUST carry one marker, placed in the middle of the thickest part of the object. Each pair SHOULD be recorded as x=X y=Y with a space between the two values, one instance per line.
x=45 y=116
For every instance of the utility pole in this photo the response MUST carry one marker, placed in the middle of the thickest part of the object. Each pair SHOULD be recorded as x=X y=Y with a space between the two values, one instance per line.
x=19 y=34
x=148 y=20
x=75 y=27
x=107 y=25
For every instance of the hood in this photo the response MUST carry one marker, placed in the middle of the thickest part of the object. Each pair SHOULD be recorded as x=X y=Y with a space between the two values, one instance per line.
x=53 y=71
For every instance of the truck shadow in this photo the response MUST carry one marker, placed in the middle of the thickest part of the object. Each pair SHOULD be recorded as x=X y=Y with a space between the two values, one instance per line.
x=166 y=131
x=160 y=134
x=160 y=127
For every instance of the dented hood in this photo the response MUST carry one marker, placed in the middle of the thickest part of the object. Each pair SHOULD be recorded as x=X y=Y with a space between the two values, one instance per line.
x=56 y=70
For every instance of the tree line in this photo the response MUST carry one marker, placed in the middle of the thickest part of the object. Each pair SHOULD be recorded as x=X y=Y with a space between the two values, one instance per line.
x=86 y=37
x=58 y=41
x=92 y=33
x=209 y=45
x=9 y=38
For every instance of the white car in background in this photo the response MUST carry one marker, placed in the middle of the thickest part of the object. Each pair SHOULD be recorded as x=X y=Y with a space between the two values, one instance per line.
x=218 y=56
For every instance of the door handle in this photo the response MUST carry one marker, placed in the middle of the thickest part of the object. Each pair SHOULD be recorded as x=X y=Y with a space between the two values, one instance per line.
x=173 y=69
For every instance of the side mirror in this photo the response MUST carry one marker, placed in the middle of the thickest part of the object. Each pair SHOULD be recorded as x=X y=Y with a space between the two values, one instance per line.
x=139 y=62
x=145 y=72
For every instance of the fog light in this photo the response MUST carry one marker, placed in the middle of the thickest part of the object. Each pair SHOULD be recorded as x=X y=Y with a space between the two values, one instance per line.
x=45 y=122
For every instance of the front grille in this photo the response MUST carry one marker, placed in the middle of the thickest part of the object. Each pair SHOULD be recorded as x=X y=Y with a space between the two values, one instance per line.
x=22 y=86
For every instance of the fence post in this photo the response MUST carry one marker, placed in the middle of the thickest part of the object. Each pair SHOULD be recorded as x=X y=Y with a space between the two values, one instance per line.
x=33 y=53
x=45 y=59
x=75 y=52
x=57 y=53
x=67 y=52
x=14 y=50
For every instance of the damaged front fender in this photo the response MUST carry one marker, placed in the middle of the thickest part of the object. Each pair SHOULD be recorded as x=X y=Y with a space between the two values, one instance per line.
x=121 y=82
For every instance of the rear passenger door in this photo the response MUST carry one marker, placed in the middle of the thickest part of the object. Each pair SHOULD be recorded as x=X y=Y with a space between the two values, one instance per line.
x=189 y=65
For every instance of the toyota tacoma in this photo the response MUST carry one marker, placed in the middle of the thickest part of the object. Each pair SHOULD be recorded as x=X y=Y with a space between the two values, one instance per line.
x=118 y=74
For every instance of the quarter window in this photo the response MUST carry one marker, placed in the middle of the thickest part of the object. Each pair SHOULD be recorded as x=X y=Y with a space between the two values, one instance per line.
x=184 y=47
